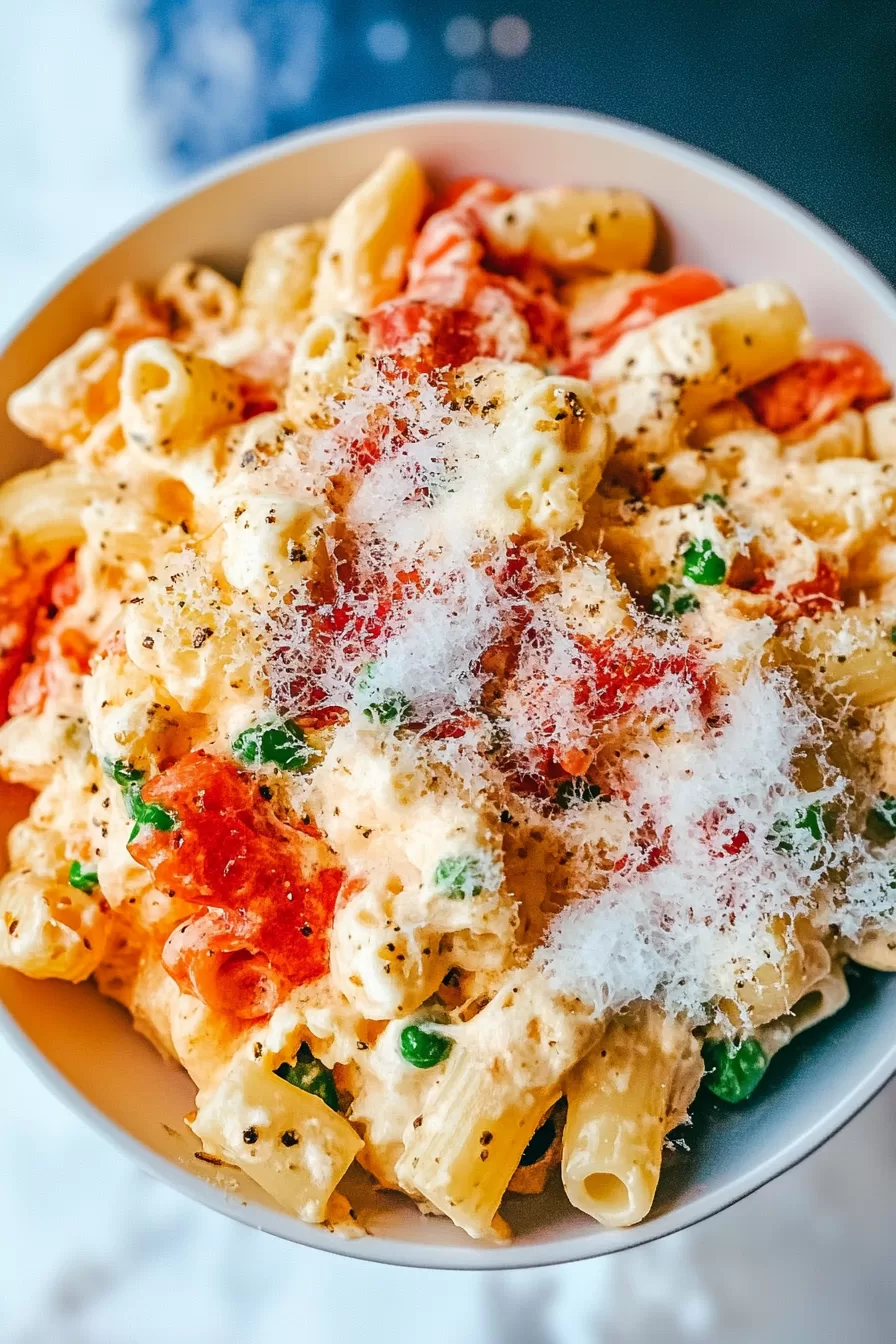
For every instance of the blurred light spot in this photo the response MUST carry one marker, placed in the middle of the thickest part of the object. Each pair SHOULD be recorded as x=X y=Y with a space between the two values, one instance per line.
x=472 y=82
x=510 y=36
x=388 y=40
x=463 y=37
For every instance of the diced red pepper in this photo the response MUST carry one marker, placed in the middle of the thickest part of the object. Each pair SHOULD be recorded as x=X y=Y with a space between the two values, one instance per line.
x=625 y=672
x=448 y=268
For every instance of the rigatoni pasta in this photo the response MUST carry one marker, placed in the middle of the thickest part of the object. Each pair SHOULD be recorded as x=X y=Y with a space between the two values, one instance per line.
x=456 y=668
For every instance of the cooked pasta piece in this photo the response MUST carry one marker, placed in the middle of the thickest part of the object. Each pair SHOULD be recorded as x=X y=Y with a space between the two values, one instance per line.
x=502 y=1077
x=72 y=394
x=880 y=425
x=205 y=304
x=369 y=239
x=278 y=282
x=685 y=362
x=776 y=987
x=826 y=997
x=41 y=512
x=850 y=651
x=634 y=1086
x=286 y=1139
x=573 y=231
x=171 y=399
x=326 y=362
x=48 y=927
x=875 y=949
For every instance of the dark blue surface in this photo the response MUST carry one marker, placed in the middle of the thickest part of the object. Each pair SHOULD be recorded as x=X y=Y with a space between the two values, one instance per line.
x=800 y=92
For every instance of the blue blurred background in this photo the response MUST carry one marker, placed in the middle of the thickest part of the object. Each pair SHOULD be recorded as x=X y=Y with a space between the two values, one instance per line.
x=104 y=106
x=800 y=92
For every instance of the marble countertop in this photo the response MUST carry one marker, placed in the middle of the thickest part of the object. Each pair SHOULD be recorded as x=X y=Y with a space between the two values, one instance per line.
x=94 y=1252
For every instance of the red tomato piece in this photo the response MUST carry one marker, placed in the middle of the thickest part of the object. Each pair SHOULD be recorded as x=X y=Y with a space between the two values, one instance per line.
x=53 y=651
x=810 y=597
x=207 y=955
x=19 y=605
x=677 y=288
x=625 y=673
x=834 y=376
x=452 y=192
x=450 y=245
x=423 y=336
x=272 y=886
x=447 y=267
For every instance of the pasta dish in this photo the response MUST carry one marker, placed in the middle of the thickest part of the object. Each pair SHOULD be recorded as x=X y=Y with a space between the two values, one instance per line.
x=456 y=671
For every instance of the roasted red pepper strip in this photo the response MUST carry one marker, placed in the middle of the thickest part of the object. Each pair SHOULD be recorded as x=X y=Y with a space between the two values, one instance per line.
x=834 y=376
x=271 y=887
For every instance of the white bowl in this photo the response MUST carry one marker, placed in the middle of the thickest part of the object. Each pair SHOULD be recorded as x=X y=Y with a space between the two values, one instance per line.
x=83 y=1045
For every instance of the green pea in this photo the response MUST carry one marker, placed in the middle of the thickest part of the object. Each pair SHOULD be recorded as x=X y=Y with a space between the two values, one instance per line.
x=882 y=817
x=734 y=1069
x=123 y=773
x=423 y=1048
x=710 y=498
x=146 y=814
x=276 y=742
x=669 y=601
x=810 y=819
x=893 y=635
x=388 y=706
x=459 y=877
x=311 y=1076
x=82 y=878
x=702 y=564
x=574 y=792
x=131 y=781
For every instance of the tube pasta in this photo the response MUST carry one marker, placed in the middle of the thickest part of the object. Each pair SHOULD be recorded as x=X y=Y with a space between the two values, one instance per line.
x=777 y=986
x=278 y=282
x=41 y=511
x=206 y=305
x=825 y=998
x=172 y=399
x=850 y=651
x=623 y=1098
x=287 y=1140
x=501 y=1079
x=327 y=360
x=880 y=425
x=876 y=949
x=843 y=437
x=72 y=394
x=48 y=929
x=573 y=230
x=370 y=237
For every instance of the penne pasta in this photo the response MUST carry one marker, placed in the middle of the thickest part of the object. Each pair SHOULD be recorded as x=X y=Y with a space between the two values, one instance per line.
x=369 y=239
x=622 y=1099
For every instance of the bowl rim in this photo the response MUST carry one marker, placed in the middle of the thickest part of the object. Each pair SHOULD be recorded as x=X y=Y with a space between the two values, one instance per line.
x=387 y=1251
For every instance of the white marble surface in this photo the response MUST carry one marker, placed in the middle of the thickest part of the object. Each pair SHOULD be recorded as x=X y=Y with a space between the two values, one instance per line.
x=94 y=1252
